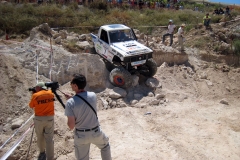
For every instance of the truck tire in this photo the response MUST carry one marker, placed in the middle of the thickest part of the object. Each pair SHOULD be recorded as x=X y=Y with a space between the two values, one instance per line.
x=92 y=50
x=120 y=77
x=109 y=66
x=150 y=68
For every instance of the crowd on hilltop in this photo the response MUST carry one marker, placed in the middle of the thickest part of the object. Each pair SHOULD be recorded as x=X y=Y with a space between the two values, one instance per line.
x=221 y=11
x=153 y=4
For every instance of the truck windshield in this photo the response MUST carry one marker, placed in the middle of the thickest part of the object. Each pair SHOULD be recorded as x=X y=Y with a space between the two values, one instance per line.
x=121 y=35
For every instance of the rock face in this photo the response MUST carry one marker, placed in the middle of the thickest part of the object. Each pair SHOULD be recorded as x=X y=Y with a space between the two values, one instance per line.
x=170 y=57
x=64 y=64
x=56 y=63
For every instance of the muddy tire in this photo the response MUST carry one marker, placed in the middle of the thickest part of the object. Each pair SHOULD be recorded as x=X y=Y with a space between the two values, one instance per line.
x=120 y=77
x=150 y=68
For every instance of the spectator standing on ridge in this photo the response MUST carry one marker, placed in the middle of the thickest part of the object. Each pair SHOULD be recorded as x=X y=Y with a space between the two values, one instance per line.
x=181 y=36
x=227 y=10
x=216 y=11
x=221 y=11
x=81 y=112
x=170 y=32
x=206 y=20
x=42 y=102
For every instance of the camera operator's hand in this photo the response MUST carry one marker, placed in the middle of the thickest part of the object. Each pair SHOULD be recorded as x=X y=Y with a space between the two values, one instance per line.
x=67 y=96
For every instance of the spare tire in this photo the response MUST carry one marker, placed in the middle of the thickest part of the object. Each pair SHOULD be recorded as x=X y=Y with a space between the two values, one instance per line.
x=150 y=68
x=120 y=77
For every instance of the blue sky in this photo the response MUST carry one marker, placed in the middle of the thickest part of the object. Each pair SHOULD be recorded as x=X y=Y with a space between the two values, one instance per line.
x=230 y=2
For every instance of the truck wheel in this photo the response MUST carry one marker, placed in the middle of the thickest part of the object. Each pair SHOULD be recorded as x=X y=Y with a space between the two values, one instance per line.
x=150 y=68
x=91 y=50
x=109 y=65
x=120 y=77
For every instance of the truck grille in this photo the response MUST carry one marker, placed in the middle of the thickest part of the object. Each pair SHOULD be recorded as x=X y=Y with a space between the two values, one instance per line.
x=138 y=58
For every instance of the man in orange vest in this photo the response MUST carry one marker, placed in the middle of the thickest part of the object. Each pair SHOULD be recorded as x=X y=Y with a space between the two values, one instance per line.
x=42 y=102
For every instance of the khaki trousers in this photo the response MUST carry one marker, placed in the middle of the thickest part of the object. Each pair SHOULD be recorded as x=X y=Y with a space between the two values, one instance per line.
x=44 y=128
x=83 y=140
x=180 y=42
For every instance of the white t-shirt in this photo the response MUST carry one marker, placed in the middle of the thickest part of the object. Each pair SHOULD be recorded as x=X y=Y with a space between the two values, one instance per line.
x=180 y=31
x=171 y=28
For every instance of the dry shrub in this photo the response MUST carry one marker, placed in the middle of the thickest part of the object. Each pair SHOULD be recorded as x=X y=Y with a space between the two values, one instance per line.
x=116 y=16
x=236 y=8
x=100 y=5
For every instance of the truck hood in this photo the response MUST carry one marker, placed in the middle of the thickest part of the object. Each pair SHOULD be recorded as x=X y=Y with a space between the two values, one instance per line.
x=130 y=48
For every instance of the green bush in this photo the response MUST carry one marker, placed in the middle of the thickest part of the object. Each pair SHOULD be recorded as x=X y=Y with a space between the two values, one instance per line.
x=234 y=13
x=185 y=17
x=73 y=6
x=189 y=27
x=216 y=18
x=26 y=23
x=201 y=42
x=27 y=9
x=6 y=9
x=50 y=11
x=236 y=45
x=100 y=5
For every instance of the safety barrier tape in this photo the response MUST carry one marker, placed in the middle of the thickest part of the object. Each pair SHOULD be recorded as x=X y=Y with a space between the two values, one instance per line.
x=16 y=132
x=9 y=152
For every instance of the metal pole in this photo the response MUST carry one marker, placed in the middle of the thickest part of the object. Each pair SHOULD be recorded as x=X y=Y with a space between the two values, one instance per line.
x=37 y=53
x=50 y=71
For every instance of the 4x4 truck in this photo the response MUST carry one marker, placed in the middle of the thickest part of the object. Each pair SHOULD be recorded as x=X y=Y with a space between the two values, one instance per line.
x=123 y=55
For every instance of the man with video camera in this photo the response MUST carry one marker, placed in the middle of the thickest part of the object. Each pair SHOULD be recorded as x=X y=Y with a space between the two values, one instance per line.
x=81 y=111
x=42 y=102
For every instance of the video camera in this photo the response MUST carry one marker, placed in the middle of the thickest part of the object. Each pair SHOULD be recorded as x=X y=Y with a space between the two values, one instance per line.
x=54 y=86
x=32 y=89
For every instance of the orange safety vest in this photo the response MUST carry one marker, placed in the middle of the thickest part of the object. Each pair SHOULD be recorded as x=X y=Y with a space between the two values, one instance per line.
x=43 y=103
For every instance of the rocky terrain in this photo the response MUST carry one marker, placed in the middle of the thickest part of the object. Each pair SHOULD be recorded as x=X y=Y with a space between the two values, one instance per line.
x=188 y=110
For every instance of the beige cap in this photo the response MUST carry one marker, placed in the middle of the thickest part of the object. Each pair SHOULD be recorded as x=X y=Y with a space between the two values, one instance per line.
x=42 y=85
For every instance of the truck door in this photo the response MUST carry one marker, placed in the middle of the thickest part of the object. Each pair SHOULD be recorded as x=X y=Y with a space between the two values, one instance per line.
x=102 y=45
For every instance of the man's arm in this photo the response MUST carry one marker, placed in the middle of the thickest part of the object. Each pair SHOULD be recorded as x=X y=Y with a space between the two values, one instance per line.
x=71 y=122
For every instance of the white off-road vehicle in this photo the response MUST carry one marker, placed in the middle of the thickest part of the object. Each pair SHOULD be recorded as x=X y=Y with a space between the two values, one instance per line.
x=123 y=55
